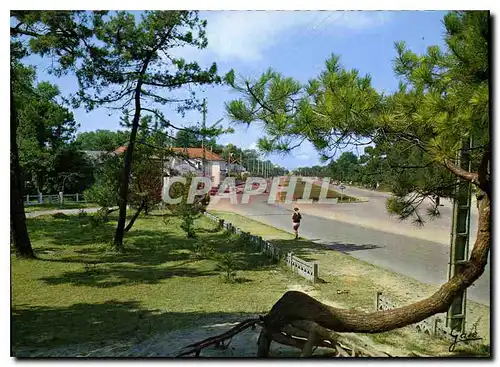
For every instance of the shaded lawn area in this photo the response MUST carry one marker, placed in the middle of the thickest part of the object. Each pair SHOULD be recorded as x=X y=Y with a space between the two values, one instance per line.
x=315 y=193
x=66 y=205
x=78 y=291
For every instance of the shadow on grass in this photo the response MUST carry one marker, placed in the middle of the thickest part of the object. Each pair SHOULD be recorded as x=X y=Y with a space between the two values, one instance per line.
x=150 y=255
x=97 y=276
x=101 y=324
x=72 y=230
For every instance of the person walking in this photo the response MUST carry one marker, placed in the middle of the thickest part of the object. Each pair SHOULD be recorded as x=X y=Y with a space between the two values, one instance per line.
x=296 y=218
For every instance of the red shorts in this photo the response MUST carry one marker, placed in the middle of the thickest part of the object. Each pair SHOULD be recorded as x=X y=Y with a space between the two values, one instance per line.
x=296 y=226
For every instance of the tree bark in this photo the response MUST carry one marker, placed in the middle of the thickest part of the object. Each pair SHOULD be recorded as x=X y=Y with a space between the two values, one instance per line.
x=19 y=231
x=136 y=215
x=300 y=306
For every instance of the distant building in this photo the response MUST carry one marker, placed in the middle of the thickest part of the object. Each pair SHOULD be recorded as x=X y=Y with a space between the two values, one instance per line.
x=190 y=160
x=236 y=168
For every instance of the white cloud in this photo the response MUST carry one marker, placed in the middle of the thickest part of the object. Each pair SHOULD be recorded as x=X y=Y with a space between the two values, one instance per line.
x=253 y=146
x=246 y=35
x=305 y=152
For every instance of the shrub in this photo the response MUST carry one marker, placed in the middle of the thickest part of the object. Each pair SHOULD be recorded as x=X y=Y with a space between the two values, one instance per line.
x=99 y=218
x=188 y=212
x=82 y=213
x=202 y=250
x=95 y=221
x=227 y=265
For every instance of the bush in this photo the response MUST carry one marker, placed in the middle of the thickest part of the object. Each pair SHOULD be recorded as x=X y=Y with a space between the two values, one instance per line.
x=202 y=251
x=187 y=224
x=99 y=218
x=95 y=221
x=82 y=213
x=188 y=212
x=227 y=265
x=59 y=216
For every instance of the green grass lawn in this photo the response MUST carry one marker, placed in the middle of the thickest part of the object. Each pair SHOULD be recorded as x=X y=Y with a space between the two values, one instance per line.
x=66 y=205
x=315 y=192
x=77 y=291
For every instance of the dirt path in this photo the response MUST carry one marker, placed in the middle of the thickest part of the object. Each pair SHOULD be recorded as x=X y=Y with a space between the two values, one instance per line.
x=64 y=211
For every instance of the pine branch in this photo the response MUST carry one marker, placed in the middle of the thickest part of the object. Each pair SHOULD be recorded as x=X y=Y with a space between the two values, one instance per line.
x=463 y=174
x=160 y=116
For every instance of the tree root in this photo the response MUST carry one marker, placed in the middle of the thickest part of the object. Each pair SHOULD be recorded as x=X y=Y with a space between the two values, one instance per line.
x=218 y=340
x=301 y=334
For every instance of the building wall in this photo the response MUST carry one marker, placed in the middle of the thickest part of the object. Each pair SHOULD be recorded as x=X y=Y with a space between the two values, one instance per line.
x=214 y=169
x=216 y=174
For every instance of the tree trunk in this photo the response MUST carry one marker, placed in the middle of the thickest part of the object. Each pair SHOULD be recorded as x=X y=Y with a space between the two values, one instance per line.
x=136 y=215
x=19 y=231
x=120 y=228
x=122 y=217
x=299 y=306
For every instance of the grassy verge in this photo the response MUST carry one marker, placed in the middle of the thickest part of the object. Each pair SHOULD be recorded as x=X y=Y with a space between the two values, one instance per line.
x=351 y=283
x=315 y=193
x=66 y=205
x=78 y=292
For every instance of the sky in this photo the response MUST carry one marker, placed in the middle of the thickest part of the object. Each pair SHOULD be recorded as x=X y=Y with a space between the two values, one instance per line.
x=294 y=43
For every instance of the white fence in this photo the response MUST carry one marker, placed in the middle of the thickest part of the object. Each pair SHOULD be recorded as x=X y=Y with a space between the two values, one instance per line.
x=306 y=269
x=53 y=199
x=297 y=265
x=434 y=325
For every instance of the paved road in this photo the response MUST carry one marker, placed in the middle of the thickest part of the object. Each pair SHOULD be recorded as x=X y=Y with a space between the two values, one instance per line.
x=424 y=260
x=373 y=214
x=440 y=227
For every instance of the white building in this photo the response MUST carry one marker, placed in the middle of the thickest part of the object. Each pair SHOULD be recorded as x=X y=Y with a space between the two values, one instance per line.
x=192 y=161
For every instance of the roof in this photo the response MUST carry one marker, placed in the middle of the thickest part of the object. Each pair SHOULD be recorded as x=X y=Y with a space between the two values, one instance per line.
x=198 y=153
x=121 y=149
x=190 y=152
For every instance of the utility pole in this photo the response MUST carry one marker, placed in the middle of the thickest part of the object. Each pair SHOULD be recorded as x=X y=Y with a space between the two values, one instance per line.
x=459 y=252
x=203 y=135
